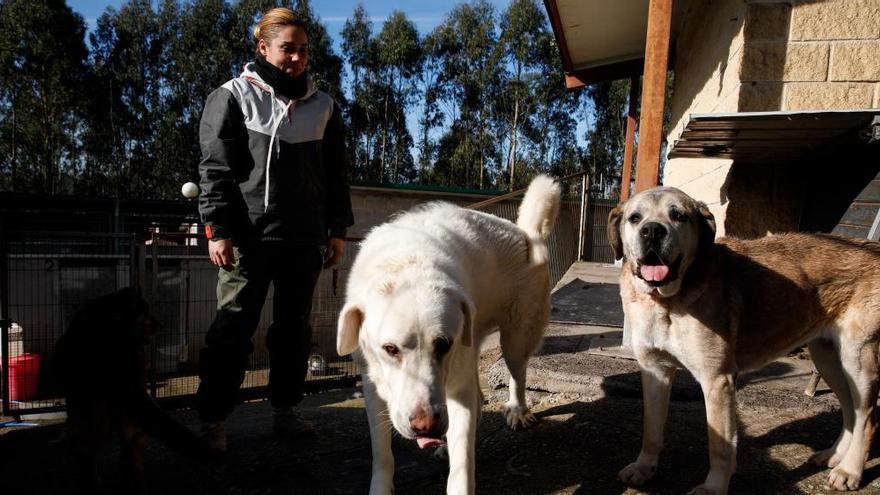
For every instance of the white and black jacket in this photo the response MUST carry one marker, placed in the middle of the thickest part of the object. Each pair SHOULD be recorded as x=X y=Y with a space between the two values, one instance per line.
x=272 y=168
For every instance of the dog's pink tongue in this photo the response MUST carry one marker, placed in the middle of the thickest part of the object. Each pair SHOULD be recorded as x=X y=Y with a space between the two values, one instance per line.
x=425 y=442
x=654 y=273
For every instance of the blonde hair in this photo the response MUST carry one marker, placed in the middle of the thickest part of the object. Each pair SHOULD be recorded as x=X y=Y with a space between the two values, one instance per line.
x=272 y=22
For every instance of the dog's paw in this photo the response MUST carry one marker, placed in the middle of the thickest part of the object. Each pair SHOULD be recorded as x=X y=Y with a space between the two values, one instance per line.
x=826 y=458
x=636 y=474
x=519 y=417
x=842 y=481
x=703 y=490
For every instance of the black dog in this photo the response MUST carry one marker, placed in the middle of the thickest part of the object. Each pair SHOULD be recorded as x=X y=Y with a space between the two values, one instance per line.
x=100 y=366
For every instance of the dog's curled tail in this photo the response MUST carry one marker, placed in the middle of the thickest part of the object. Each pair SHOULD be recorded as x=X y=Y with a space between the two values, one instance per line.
x=537 y=215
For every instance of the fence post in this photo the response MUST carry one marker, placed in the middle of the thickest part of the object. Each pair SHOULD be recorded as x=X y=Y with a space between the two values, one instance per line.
x=583 y=216
x=133 y=275
x=154 y=289
x=5 y=322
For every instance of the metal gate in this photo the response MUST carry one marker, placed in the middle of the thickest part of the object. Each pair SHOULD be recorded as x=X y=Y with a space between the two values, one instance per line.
x=44 y=279
x=597 y=248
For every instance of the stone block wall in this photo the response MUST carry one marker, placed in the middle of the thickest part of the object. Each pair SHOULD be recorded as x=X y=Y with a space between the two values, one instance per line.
x=708 y=56
x=807 y=55
x=765 y=55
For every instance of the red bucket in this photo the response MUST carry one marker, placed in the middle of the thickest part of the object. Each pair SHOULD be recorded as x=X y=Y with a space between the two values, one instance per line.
x=24 y=376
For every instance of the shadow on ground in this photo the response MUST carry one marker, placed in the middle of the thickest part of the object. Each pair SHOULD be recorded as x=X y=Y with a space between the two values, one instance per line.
x=578 y=447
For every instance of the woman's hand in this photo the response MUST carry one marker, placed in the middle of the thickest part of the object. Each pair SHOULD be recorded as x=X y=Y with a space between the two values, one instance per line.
x=220 y=251
x=335 y=250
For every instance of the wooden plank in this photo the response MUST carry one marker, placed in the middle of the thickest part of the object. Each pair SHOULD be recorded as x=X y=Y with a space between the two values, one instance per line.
x=772 y=124
x=715 y=151
x=871 y=192
x=748 y=143
x=653 y=93
x=631 y=120
x=766 y=134
x=853 y=231
x=590 y=75
x=833 y=118
x=860 y=214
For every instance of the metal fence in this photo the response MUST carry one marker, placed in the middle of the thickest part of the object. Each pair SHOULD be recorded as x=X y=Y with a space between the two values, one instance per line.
x=595 y=240
x=564 y=245
x=46 y=277
x=182 y=289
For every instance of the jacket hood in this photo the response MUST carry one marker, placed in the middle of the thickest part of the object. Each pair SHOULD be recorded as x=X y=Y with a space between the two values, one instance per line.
x=251 y=75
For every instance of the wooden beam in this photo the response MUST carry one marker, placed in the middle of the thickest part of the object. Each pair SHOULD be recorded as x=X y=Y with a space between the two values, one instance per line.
x=559 y=33
x=631 y=117
x=609 y=72
x=653 y=93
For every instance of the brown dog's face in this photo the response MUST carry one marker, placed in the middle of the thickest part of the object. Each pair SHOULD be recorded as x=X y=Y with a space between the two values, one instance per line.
x=660 y=232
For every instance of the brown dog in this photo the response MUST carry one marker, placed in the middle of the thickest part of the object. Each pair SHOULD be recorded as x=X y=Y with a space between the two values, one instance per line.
x=720 y=308
x=99 y=365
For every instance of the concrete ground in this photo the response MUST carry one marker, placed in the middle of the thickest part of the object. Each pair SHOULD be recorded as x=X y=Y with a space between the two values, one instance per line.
x=588 y=400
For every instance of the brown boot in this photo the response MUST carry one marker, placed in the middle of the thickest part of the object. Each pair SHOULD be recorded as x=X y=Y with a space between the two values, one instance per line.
x=214 y=436
x=288 y=423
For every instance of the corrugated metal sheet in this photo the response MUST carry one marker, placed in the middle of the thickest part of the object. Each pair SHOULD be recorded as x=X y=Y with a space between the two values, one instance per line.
x=759 y=136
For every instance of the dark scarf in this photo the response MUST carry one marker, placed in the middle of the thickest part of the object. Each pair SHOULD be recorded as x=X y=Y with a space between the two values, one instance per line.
x=284 y=84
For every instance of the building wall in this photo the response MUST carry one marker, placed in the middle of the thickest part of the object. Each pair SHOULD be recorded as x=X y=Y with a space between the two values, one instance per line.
x=708 y=56
x=755 y=56
x=373 y=205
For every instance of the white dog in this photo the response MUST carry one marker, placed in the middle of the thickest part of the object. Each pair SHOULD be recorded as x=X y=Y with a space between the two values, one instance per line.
x=424 y=291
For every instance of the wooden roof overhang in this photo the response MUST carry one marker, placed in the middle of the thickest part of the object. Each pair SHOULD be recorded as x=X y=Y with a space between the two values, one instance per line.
x=602 y=41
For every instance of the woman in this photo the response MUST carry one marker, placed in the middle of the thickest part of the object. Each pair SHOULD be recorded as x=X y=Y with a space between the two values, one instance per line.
x=275 y=204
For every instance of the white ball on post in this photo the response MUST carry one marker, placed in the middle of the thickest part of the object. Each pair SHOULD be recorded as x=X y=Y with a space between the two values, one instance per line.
x=190 y=190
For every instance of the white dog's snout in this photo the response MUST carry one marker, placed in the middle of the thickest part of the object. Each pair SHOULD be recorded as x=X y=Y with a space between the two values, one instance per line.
x=426 y=419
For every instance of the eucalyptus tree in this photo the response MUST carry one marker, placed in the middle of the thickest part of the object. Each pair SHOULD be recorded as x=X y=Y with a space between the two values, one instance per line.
x=239 y=38
x=552 y=127
x=523 y=27
x=43 y=76
x=126 y=56
x=399 y=56
x=196 y=58
x=468 y=47
x=430 y=90
x=324 y=64
x=357 y=50
x=606 y=137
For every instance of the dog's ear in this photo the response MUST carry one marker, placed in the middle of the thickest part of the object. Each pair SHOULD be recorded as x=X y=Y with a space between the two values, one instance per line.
x=707 y=225
x=614 y=231
x=467 y=330
x=349 y=328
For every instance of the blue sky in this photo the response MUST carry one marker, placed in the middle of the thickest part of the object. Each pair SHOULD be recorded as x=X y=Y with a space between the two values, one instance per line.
x=426 y=14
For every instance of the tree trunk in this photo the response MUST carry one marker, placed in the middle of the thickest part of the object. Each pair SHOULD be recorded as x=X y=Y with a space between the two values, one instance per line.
x=384 y=139
x=482 y=148
x=13 y=163
x=513 y=132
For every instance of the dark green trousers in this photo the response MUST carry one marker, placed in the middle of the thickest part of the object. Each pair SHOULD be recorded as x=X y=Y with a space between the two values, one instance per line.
x=241 y=292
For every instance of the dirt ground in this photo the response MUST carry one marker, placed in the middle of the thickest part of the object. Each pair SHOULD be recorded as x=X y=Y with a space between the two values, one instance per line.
x=583 y=439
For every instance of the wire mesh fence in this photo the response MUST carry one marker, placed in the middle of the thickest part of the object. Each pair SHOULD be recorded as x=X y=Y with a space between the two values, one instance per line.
x=597 y=248
x=182 y=289
x=563 y=242
x=45 y=277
